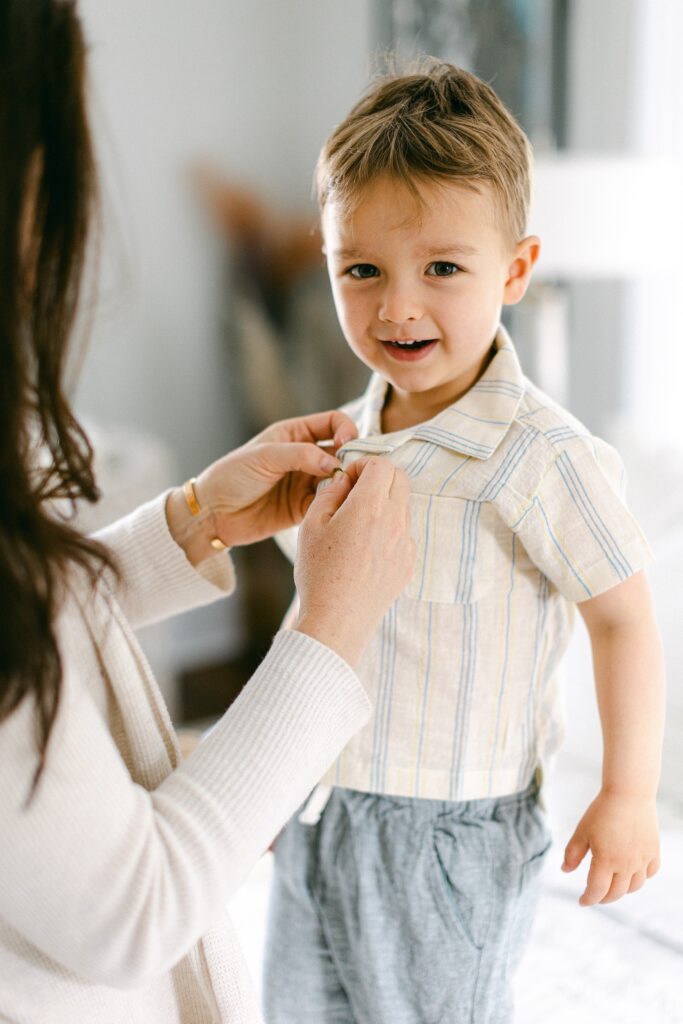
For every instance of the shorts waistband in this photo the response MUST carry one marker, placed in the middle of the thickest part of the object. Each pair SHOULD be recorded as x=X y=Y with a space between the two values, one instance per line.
x=484 y=807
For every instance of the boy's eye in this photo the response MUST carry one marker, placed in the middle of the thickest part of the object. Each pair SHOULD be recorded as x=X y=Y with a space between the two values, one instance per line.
x=441 y=268
x=362 y=271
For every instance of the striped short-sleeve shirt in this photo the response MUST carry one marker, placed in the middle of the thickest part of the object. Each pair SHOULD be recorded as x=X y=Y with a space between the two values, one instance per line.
x=518 y=513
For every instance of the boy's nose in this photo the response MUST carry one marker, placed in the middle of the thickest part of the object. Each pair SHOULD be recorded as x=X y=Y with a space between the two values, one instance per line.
x=399 y=305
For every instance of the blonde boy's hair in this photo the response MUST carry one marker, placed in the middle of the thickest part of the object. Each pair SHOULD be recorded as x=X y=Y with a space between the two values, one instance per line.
x=436 y=122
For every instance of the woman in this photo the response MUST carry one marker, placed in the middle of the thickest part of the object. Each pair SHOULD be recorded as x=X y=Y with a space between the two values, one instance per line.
x=116 y=861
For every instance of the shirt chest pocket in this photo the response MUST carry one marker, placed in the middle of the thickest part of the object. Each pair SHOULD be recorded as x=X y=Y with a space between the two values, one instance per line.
x=456 y=549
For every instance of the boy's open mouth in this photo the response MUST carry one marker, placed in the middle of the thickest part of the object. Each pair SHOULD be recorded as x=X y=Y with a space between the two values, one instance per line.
x=409 y=348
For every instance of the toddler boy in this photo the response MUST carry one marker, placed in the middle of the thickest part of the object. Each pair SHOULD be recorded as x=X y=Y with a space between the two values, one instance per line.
x=407 y=897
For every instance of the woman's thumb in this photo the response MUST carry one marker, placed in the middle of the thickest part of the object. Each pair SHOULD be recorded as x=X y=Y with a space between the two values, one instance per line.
x=330 y=495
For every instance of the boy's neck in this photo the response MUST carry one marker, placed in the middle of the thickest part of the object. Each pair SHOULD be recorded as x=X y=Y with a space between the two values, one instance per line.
x=403 y=409
x=406 y=410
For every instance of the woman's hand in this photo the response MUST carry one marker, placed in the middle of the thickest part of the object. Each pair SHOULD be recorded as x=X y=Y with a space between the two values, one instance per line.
x=355 y=555
x=262 y=487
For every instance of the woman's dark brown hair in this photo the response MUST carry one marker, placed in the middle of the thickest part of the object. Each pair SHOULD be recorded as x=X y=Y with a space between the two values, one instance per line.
x=47 y=185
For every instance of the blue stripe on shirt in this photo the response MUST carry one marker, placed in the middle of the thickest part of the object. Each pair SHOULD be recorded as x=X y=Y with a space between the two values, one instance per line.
x=591 y=517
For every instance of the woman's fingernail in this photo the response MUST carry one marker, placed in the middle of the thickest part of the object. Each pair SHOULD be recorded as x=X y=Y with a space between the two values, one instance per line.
x=343 y=438
x=329 y=464
x=330 y=479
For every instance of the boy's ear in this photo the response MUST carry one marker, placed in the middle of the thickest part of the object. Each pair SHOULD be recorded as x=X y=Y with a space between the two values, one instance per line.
x=522 y=264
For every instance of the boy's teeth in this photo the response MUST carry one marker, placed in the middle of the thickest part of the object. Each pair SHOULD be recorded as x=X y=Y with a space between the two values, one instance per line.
x=411 y=342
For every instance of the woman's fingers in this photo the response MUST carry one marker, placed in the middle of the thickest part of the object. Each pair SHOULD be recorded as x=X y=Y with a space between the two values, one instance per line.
x=355 y=555
x=400 y=486
x=330 y=495
x=276 y=460
x=373 y=479
x=344 y=429
x=354 y=469
x=377 y=479
x=332 y=425
x=372 y=476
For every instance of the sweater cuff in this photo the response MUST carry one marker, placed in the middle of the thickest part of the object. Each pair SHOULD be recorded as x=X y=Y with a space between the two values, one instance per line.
x=157 y=579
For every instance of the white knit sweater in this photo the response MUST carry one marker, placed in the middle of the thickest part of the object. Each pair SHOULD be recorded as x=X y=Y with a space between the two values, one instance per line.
x=113 y=879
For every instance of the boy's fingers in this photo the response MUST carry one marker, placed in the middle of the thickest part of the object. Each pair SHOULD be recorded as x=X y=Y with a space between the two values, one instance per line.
x=653 y=867
x=619 y=887
x=574 y=853
x=638 y=881
x=598 y=884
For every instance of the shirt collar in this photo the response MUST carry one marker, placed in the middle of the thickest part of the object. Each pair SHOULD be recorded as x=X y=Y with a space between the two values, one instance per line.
x=474 y=425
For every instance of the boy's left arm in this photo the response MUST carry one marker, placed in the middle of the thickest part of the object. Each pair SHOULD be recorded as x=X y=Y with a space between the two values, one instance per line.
x=620 y=826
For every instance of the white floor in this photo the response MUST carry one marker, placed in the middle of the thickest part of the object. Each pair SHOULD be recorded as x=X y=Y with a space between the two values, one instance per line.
x=619 y=964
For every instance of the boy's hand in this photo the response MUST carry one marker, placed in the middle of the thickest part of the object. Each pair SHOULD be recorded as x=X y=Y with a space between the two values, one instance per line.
x=622 y=834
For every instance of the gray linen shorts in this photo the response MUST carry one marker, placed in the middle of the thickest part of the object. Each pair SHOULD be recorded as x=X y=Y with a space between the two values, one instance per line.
x=393 y=910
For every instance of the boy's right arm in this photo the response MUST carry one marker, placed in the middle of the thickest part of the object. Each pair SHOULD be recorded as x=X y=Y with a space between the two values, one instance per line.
x=620 y=826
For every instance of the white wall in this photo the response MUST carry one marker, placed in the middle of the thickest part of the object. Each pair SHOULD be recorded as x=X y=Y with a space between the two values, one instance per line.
x=255 y=86
x=654 y=323
x=626 y=97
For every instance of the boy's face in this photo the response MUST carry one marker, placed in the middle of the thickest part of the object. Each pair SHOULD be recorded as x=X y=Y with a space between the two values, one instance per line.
x=419 y=291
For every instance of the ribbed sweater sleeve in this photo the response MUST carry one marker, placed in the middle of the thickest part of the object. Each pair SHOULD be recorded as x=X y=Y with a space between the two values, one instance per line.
x=117 y=883
x=157 y=580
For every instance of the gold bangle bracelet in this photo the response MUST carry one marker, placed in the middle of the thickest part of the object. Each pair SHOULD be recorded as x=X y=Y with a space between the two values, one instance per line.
x=195 y=508
x=191 y=496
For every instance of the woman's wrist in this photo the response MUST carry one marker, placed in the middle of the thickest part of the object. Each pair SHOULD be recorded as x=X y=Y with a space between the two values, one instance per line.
x=192 y=526
x=333 y=633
